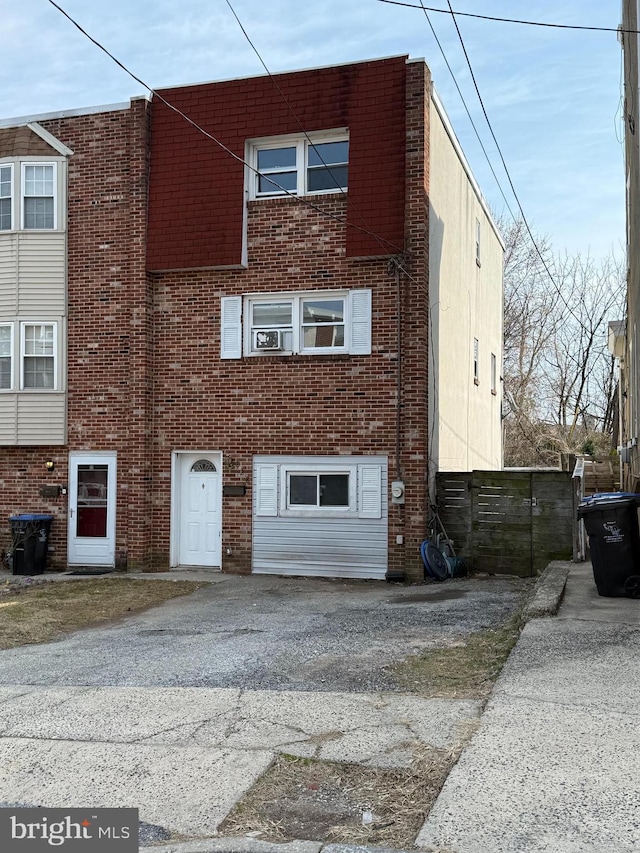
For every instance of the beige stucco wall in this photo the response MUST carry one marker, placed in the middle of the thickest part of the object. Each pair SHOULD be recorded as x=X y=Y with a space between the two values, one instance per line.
x=466 y=301
x=630 y=363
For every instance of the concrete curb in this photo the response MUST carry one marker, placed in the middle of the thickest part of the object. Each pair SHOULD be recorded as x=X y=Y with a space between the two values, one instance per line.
x=549 y=591
x=253 y=845
x=235 y=845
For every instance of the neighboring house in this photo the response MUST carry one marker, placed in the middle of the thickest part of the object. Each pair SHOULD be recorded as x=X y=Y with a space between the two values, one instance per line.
x=225 y=374
x=624 y=339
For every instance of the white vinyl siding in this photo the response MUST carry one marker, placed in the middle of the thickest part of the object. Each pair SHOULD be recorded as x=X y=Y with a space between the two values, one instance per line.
x=33 y=296
x=33 y=274
x=42 y=261
x=8 y=275
x=32 y=419
x=331 y=542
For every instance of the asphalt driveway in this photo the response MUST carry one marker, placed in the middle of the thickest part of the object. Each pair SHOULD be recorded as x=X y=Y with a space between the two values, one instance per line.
x=178 y=711
x=270 y=633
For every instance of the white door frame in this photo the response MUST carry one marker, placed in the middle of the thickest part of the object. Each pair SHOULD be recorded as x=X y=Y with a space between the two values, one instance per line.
x=177 y=463
x=107 y=556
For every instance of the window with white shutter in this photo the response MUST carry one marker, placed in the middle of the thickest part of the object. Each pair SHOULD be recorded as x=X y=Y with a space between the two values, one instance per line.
x=231 y=327
x=266 y=486
x=309 y=323
x=370 y=491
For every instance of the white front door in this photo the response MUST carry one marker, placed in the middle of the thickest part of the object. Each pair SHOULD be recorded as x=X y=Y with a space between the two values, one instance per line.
x=92 y=509
x=199 y=519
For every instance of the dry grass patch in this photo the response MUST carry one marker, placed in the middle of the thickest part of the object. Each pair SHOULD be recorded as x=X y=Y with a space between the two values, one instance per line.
x=301 y=798
x=44 y=612
x=464 y=670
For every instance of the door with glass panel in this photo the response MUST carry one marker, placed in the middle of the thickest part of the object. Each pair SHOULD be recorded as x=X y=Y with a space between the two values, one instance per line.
x=92 y=509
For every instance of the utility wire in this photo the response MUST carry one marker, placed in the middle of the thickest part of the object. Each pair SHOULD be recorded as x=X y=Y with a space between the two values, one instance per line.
x=453 y=77
x=504 y=165
x=510 y=20
x=210 y=136
x=384 y=244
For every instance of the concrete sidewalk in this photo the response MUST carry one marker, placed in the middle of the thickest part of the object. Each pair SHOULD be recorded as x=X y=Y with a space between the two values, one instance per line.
x=555 y=765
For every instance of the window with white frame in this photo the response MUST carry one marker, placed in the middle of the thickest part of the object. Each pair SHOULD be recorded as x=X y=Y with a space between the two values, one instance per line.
x=314 y=323
x=38 y=196
x=29 y=195
x=38 y=356
x=314 y=488
x=6 y=356
x=494 y=374
x=28 y=356
x=301 y=324
x=478 y=242
x=299 y=165
x=311 y=490
x=6 y=197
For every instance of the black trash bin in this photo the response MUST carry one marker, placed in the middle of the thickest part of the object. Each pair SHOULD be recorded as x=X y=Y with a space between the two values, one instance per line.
x=30 y=542
x=611 y=520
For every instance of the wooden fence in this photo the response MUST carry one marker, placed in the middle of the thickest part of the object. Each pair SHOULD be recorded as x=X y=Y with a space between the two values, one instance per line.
x=508 y=522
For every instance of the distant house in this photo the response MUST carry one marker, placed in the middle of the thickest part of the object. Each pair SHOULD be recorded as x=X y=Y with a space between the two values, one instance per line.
x=247 y=328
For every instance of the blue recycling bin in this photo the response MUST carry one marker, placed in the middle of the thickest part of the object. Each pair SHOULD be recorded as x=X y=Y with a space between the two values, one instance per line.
x=611 y=521
x=30 y=542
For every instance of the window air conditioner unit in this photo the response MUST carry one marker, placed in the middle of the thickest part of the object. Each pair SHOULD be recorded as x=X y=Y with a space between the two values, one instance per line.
x=268 y=340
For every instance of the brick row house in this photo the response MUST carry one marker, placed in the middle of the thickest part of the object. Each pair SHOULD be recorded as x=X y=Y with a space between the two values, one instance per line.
x=243 y=323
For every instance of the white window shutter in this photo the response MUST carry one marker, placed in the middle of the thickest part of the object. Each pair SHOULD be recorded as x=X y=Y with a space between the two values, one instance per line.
x=369 y=491
x=360 y=314
x=231 y=327
x=266 y=486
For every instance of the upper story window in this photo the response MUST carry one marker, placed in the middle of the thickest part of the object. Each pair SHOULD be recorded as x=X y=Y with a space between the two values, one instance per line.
x=6 y=197
x=6 y=355
x=29 y=356
x=302 y=166
x=478 y=236
x=494 y=374
x=29 y=196
x=313 y=323
x=39 y=197
x=39 y=356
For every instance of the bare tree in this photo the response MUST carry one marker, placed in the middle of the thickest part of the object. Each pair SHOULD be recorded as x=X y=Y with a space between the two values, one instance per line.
x=559 y=379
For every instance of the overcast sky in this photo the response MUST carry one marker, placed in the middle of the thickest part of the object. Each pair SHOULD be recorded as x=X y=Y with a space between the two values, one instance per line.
x=553 y=96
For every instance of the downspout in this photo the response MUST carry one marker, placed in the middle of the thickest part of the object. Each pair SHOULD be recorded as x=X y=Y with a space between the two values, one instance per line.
x=393 y=268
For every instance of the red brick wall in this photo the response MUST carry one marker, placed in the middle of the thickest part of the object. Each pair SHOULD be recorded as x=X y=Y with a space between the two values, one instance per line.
x=22 y=475
x=196 y=190
x=109 y=331
x=145 y=375
x=324 y=405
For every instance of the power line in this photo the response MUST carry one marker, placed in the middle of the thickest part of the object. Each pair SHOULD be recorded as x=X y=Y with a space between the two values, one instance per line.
x=217 y=141
x=453 y=76
x=510 y=20
x=513 y=189
x=384 y=244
